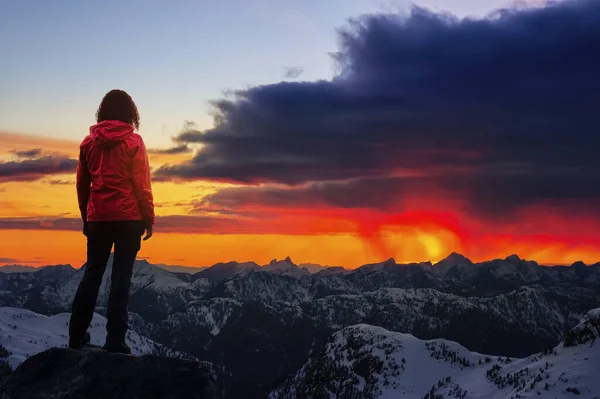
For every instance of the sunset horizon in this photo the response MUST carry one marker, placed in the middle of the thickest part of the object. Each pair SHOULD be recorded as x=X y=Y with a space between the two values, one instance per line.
x=356 y=148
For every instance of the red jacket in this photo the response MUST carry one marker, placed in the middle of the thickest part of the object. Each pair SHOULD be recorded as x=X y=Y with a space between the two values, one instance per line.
x=113 y=175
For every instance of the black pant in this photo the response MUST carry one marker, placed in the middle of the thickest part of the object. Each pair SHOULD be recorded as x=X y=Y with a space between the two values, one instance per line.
x=126 y=237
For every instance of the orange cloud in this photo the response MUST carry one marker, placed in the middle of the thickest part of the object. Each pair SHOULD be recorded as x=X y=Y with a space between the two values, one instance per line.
x=21 y=142
x=204 y=223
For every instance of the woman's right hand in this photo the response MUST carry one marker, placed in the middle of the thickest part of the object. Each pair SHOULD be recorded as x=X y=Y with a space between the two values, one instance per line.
x=148 y=233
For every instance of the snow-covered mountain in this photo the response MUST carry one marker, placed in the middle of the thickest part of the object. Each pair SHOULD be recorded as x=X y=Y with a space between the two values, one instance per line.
x=263 y=322
x=364 y=361
x=24 y=333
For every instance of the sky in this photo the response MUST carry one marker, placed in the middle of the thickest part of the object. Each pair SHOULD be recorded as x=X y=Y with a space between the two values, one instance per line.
x=342 y=132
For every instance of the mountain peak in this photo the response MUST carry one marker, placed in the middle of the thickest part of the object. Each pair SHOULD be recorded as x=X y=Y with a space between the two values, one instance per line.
x=513 y=258
x=286 y=267
x=579 y=265
x=275 y=261
x=454 y=260
x=222 y=271
x=455 y=257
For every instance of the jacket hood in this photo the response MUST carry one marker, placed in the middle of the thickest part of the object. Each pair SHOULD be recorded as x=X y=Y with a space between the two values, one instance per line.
x=108 y=134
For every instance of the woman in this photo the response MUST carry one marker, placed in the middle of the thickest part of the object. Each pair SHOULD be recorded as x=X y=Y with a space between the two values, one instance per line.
x=116 y=204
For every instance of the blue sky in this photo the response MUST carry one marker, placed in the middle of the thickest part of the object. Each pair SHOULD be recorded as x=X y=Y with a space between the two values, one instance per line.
x=60 y=57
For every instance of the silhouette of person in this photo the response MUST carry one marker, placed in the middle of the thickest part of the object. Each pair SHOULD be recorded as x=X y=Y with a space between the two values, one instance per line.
x=116 y=204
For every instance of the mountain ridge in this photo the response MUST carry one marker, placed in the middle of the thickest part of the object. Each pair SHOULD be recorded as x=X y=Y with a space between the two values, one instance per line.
x=314 y=267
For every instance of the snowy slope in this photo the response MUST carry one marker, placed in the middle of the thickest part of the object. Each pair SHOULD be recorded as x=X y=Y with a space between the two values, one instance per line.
x=24 y=333
x=364 y=361
x=211 y=315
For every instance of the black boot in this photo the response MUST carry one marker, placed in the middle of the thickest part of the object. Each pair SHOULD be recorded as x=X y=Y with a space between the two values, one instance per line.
x=75 y=343
x=117 y=347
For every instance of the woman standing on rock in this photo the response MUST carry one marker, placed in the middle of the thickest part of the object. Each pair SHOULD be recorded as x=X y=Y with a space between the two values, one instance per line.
x=116 y=204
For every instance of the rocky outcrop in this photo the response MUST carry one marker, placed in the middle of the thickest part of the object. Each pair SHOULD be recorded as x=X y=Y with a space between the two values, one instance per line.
x=64 y=373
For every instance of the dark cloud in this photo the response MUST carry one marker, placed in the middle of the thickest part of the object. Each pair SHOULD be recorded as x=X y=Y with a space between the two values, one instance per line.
x=176 y=223
x=197 y=224
x=292 y=72
x=37 y=168
x=180 y=149
x=386 y=194
x=40 y=223
x=33 y=153
x=212 y=207
x=377 y=193
x=501 y=110
x=8 y=260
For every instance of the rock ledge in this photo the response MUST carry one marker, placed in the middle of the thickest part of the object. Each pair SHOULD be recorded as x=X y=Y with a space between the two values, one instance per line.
x=61 y=373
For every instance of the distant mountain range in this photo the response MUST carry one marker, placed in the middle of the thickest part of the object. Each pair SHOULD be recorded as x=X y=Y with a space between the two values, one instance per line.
x=263 y=323
x=18 y=268
x=454 y=261
x=191 y=270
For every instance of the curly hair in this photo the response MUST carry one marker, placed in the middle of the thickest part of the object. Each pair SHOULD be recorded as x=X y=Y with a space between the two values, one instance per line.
x=118 y=105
